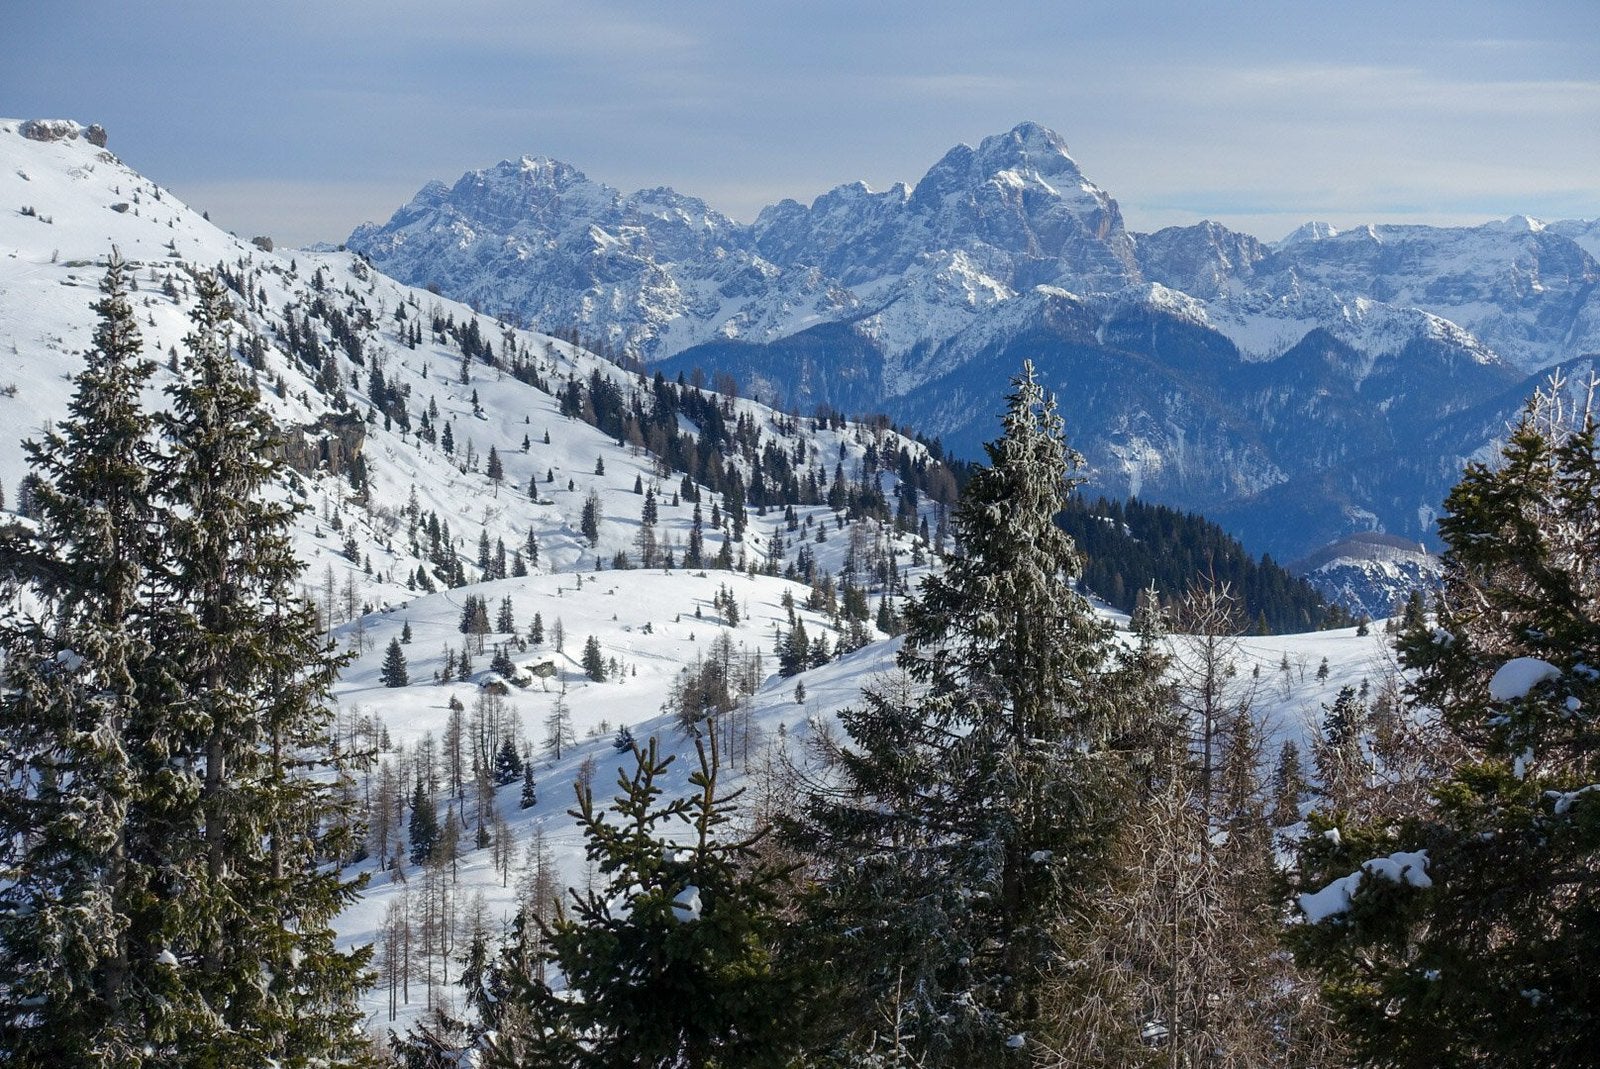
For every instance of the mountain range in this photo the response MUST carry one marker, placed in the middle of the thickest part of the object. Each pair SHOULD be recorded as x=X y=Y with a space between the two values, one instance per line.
x=1298 y=391
x=439 y=459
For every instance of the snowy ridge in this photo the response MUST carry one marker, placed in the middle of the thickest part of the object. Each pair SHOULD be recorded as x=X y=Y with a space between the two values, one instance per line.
x=535 y=239
x=360 y=548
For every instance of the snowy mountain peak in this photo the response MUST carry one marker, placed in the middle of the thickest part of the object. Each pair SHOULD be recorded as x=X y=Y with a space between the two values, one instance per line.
x=1027 y=147
x=62 y=129
x=1308 y=232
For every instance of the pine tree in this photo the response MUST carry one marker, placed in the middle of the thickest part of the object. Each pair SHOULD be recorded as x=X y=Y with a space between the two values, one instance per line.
x=507 y=763
x=74 y=678
x=393 y=673
x=594 y=663
x=423 y=829
x=981 y=800
x=684 y=975
x=589 y=521
x=494 y=469
x=530 y=794
x=207 y=940
x=1475 y=943
x=251 y=683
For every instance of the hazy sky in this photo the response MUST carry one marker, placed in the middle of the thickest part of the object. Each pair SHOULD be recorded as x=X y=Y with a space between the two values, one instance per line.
x=299 y=119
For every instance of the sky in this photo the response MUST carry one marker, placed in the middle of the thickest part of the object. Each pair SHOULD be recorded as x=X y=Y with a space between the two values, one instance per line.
x=299 y=120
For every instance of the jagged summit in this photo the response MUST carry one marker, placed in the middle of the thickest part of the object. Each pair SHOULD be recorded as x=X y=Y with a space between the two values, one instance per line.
x=1199 y=359
x=1307 y=232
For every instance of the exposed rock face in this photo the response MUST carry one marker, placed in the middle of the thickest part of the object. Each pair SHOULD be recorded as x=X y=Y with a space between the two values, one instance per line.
x=1371 y=574
x=331 y=444
x=62 y=129
x=1297 y=392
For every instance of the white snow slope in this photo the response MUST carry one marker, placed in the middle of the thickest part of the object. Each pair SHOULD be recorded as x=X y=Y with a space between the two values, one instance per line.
x=65 y=202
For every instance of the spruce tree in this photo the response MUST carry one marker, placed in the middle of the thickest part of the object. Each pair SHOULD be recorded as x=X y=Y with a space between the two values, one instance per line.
x=594 y=662
x=1473 y=941
x=423 y=829
x=249 y=678
x=393 y=673
x=187 y=694
x=76 y=642
x=530 y=793
x=978 y=807
x=684 y=974
x=589 y=521
x=507 y=763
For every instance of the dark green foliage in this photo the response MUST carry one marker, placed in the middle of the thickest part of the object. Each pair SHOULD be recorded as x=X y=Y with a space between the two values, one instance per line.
x=984 y=789
x=1128 y=546
x=207 y=940
x=72 y=687
x=393 y=673
x=594 y=662
x=530 y=794
x=589 y=521
x=423 y=830
x=683 y=973
x=1494 y=963
x=507 y=763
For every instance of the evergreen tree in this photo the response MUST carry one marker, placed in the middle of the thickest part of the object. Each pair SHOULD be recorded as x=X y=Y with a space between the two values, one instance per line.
x=530 y=794
x=507 y=763
x=207 y=940
x=980 y=803
x=423 y=830
x=250 y=683
x=594 y=663
x=589 y=521
x=494 y=469
x=393 y=673
x=73 y=683
x=684 y=974
x=1472 y=942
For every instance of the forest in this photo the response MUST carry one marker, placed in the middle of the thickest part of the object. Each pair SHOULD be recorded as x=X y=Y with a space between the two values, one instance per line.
x=1033 y=843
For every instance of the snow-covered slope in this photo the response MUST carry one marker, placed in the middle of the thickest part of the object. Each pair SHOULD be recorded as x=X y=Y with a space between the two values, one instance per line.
x=353 y=365
x=656 y=271
x=921 y=300
x=1372 y=574
x=388 y=355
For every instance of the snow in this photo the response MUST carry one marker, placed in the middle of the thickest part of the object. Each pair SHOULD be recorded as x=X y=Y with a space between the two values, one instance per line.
x=1514 y=679
x=645 y=619
x=686 y=905
x=1404 y=867
x=1563 y=801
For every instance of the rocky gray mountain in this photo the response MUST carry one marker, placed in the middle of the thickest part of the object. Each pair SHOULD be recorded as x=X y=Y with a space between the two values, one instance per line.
x=1332 y=382
x=1371 y=574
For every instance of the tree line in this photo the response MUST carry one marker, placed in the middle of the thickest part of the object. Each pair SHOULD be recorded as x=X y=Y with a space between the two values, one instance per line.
x=1034 y=843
